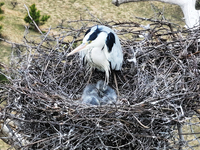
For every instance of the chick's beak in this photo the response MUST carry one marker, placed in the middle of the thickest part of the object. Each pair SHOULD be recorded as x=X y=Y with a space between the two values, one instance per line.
x=78 y=49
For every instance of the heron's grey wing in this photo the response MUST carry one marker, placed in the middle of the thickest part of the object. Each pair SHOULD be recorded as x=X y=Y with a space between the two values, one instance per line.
x=113 y=51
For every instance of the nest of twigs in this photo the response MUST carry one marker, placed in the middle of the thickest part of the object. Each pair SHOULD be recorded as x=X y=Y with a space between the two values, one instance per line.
x=158 y=94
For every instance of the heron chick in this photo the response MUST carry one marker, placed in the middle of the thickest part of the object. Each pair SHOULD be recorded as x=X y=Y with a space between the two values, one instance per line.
x=99 y=94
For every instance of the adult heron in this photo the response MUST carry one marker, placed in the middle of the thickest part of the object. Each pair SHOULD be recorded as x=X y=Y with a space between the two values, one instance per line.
x=191 y=14
x=101 y=49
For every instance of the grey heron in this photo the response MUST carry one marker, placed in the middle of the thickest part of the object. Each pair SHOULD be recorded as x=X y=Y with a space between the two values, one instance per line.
x=98 y=94
x=101 y=49
x=191 y=14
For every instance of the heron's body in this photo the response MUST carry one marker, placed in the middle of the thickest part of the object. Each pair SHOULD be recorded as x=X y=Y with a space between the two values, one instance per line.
x=98 y=94
x=101 y=49
x=96 y=59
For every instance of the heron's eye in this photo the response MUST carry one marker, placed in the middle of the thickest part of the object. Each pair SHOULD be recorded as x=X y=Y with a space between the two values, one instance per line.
x=89 y=41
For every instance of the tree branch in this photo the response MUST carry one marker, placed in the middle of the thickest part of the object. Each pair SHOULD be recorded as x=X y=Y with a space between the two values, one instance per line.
x=119 y=2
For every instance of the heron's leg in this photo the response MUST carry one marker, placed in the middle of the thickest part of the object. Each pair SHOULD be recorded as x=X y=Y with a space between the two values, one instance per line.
x=105 y=84
x=106 y=79
x=89 y=76
x=116 y=84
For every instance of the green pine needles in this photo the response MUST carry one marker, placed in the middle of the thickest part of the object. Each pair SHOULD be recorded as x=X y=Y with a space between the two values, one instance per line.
x=1 y=4
x=1 y=17
x=36 y=16
x=197 y=5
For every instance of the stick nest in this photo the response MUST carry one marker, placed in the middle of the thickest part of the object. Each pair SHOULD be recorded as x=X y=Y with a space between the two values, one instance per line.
x=159 y=94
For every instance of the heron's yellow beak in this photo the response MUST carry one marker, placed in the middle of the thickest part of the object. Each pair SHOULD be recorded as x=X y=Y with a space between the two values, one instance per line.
x=78 y=49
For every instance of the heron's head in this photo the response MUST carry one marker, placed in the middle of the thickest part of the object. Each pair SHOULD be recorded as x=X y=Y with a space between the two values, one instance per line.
x=94 y=37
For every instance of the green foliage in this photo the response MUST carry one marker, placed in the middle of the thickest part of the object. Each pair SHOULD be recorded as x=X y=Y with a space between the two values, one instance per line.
x=197 y=5
x=3 y=79
x=1 y=17
x=44 y=18
x=35 y=14
x=1 y=4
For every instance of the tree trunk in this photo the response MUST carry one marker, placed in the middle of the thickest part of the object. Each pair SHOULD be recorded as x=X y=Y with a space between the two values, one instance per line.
x=119 y=2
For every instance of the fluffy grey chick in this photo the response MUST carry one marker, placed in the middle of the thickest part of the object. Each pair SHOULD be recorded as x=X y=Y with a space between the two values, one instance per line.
x=106 y=93
x=90 y=95
x=99 y=94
